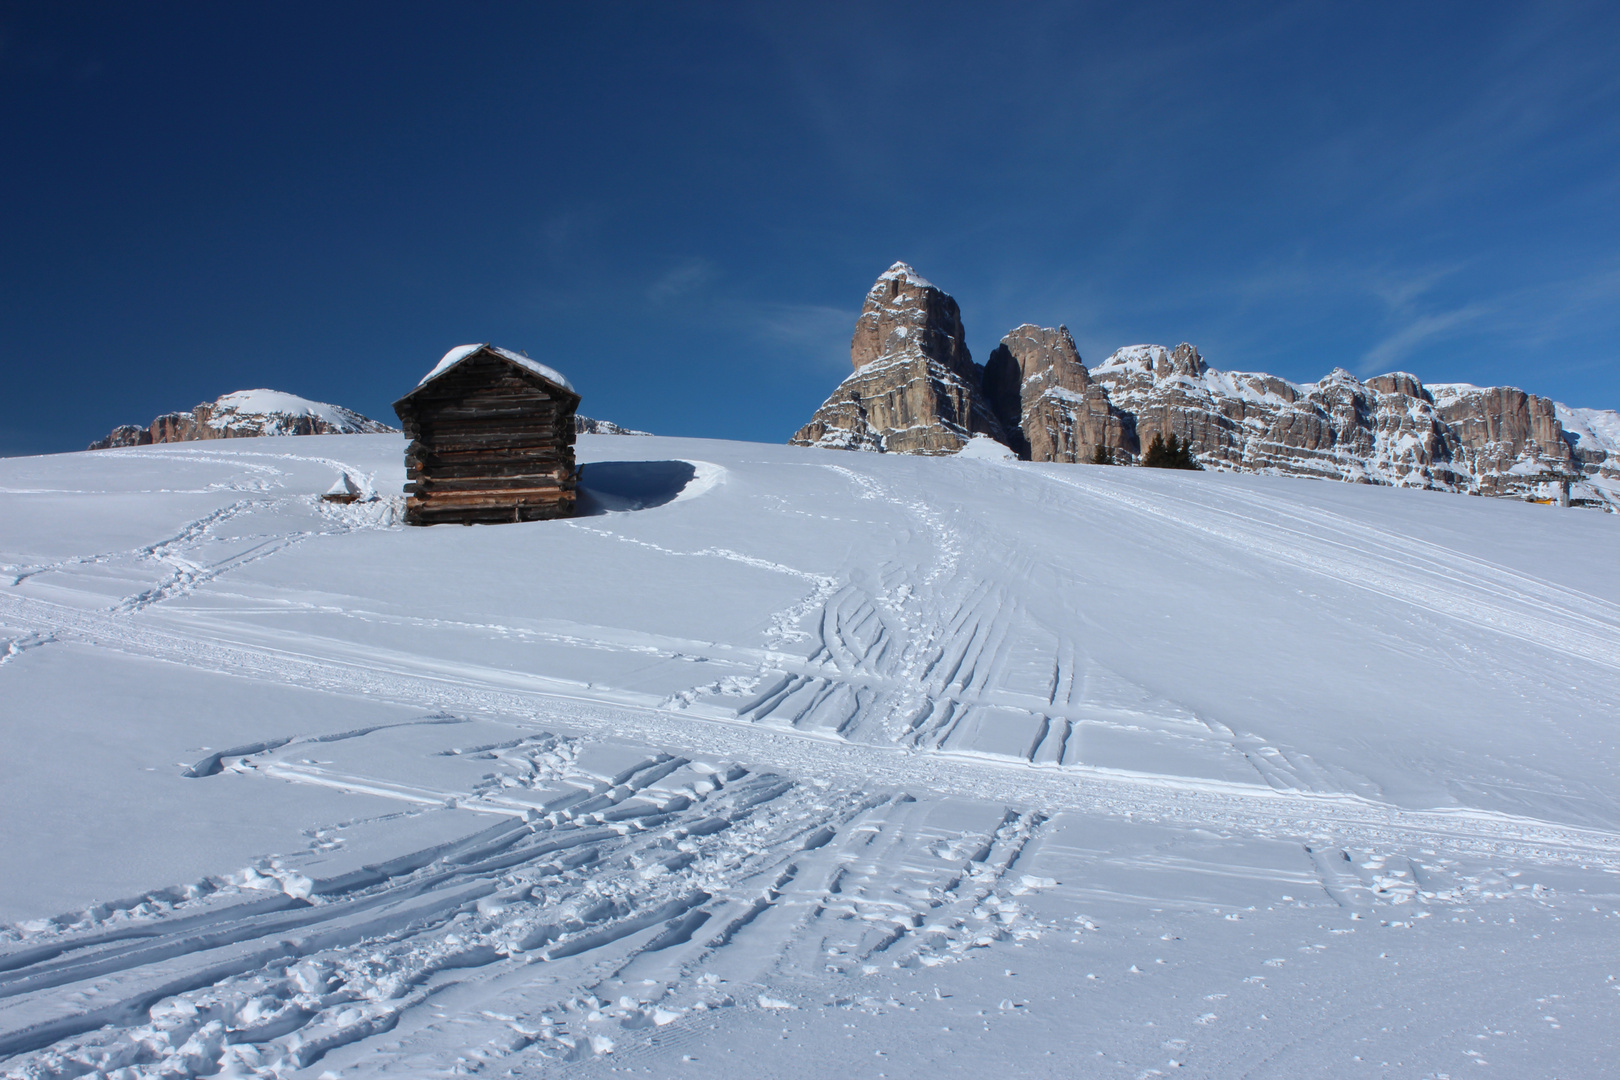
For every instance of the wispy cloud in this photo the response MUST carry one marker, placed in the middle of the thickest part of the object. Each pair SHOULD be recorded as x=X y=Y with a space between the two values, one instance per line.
x=1400 y=290
x=1397 y=346
x=819 y=333
x=685 y=278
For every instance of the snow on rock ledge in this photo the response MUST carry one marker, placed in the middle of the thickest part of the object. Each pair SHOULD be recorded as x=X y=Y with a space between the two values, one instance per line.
x=584 y=425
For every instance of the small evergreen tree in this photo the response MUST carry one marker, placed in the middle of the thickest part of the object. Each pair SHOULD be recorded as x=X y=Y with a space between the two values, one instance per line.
x=1101 y=456
x=1174 y=454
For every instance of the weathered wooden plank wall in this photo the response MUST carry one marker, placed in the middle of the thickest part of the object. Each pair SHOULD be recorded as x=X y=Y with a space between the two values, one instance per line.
x=488 y=444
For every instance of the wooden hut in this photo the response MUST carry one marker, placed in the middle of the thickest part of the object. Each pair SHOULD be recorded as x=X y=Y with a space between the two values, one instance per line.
x=492 y=440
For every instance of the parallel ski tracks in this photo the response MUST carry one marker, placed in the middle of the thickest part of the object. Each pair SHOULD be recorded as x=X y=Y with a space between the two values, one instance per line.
x=503 y=696
x=1417 y=573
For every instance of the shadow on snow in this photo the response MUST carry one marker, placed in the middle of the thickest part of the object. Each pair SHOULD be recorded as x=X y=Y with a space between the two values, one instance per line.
x=610 y=486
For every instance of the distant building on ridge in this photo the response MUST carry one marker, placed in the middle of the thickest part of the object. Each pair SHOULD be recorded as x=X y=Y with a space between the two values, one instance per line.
x=492 y=440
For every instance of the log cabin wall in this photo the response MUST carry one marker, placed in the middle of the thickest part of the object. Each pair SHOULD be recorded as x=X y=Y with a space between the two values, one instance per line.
x=490 y=443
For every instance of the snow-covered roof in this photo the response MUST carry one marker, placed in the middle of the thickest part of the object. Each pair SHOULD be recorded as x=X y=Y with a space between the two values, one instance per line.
x=461 y=352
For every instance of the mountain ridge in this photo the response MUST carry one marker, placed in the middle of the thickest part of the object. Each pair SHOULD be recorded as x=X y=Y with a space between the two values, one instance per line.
x=244 y=414
x=916 y=392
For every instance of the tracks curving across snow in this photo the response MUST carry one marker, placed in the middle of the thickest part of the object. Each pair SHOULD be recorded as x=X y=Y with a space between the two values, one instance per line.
x=1257 y=808
x=586 y=824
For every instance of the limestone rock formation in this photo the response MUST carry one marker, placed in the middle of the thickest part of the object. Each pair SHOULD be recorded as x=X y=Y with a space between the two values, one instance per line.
x=1387 y=430
x=124 y=435
x=1046 y=402
x=584 y=425
x=1500 y=429
x=915 y=388
x=243 y=414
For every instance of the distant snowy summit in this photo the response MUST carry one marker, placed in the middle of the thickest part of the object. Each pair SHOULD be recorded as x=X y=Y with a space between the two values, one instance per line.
x=915 y=389
x=584 y=425
x=244 y=414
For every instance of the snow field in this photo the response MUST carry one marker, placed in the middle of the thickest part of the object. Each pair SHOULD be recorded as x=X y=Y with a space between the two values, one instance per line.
x=782 y=761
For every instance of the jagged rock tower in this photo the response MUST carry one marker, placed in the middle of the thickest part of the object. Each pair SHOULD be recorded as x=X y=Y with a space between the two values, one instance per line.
x=1046 y=401
x=915 y=388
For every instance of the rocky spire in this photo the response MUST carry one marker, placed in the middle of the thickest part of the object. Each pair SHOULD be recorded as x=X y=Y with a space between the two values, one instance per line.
x=1045 y=400
x=915 y=388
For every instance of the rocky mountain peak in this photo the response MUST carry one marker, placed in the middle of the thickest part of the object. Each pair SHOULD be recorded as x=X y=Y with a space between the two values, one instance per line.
x=1183 y=360
x=901 y=273
x=906 y=313
x=915 y=387
x=243 y=414
x=1044 y=398
x=584 y=425
x=1030 y=360
x=1340 y=376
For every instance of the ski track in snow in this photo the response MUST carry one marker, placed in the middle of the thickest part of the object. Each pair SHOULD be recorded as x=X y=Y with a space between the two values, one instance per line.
x=680 y=861
x=1140 y=796
x=613 y=880
x=1529 y=609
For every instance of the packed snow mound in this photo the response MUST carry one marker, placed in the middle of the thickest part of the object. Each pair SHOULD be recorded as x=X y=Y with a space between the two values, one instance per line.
x=461 y=352
x=984 y=448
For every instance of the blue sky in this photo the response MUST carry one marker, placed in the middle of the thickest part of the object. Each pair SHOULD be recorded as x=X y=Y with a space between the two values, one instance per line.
x=681 y=206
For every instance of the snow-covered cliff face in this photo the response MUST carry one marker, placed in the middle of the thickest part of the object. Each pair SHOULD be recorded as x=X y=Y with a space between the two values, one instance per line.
x=245 y=414
x=916 y=390
x=1390 y=429
x=1594 y=438
x=1045 y=398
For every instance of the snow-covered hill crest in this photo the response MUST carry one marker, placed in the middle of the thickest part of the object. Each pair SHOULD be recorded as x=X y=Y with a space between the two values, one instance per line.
x=245 y=414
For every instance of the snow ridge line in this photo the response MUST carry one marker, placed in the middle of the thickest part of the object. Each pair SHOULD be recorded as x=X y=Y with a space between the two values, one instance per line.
x=1050 y=789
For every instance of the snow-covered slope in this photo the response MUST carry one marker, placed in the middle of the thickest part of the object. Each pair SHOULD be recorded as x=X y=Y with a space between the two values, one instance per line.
x=789 y=762
x=1595 y=437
